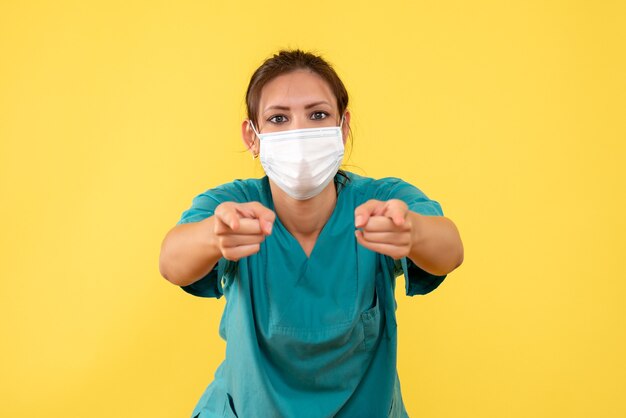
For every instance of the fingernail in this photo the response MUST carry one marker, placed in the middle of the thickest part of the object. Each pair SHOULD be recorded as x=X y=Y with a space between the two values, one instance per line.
x=269 y=229
x=358 y=220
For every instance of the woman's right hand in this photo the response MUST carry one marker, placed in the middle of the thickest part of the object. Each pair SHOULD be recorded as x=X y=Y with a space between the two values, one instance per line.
x=241 y=227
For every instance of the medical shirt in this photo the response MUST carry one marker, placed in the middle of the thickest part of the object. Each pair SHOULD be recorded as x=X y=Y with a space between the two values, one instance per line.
x=309 y=336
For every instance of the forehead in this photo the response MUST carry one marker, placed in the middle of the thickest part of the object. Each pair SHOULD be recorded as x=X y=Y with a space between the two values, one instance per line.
x=296 y=88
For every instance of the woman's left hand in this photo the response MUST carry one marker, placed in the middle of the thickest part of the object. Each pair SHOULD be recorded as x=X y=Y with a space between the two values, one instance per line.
x=385 y=227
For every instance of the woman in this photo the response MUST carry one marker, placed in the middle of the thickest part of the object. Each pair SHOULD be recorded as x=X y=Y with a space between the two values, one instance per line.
x=307 y=258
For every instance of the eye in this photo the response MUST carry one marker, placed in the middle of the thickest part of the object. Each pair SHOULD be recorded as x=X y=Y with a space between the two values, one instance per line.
x=319 y=115
x=278 y=119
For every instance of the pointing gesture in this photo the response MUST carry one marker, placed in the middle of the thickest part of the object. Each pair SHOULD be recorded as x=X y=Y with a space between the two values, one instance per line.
x=241 y=227
x=384 y=227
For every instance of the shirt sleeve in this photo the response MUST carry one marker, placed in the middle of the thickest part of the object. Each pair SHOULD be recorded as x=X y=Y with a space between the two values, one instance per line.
x=418 y=281
x=202 y=207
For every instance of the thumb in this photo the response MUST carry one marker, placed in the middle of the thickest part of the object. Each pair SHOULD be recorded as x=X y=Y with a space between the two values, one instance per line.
x=363 y=213
x=265 y=216
x=397 y=211
x=227 y=213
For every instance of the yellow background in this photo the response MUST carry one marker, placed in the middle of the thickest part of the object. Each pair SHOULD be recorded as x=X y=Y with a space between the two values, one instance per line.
x=115 y=114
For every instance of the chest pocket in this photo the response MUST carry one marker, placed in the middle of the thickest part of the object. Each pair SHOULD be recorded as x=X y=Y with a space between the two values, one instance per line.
x=315 y=295
x=315 y=320
x=325 y=318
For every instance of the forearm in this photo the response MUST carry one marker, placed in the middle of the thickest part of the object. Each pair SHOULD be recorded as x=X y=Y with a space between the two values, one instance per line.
x=189 y=252
x=436 y=245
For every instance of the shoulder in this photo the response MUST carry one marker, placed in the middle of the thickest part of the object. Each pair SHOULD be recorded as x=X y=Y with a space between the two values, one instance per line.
x=387 y=188
x=244 y=190
x=377 y=188
x=240 y=191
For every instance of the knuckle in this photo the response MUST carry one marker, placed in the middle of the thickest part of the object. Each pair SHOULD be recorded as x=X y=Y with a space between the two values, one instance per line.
x=255 y=206
x=223 y=206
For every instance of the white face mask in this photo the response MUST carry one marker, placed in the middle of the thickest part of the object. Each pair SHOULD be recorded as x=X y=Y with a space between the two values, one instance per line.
x=302 y=161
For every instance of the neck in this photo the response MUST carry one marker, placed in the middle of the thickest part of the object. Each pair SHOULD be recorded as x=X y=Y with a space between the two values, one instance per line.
x=304 y=218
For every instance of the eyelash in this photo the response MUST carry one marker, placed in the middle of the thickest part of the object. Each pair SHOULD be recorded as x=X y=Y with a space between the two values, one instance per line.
x=325 y=115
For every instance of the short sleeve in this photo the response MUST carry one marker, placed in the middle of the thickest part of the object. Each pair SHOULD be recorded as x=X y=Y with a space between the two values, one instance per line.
x=418 y=281
x=202 y=207
x=204 y=204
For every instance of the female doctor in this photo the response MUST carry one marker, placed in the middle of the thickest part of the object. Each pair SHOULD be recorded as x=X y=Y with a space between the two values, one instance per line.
x=307 y=258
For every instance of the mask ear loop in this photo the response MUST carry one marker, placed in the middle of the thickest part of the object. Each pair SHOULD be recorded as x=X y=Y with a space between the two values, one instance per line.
x=254 y=156
x=253 y=128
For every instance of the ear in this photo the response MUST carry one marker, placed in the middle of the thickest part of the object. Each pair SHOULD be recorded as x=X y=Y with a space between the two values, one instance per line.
x=345 y=128
x=249 y=138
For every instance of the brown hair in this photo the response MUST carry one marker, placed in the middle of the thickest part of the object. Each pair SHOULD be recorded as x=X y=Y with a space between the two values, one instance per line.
x=285 y=62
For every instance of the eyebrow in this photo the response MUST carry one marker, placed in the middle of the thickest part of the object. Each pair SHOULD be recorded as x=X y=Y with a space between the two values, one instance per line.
x=310 y=105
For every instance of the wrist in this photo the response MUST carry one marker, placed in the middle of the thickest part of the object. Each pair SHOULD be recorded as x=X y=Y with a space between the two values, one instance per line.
x=417 y=235
x=208 y=238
